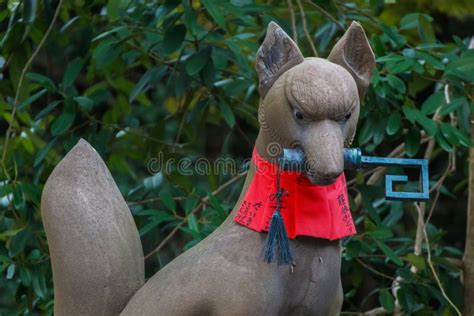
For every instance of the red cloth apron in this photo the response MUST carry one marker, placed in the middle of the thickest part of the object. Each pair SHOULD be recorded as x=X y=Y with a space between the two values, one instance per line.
x=308 y=210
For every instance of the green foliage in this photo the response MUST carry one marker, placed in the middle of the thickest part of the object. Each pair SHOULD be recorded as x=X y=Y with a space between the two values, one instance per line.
x=175 y=78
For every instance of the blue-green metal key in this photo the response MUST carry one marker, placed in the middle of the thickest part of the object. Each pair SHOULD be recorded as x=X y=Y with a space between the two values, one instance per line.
x=294 y=160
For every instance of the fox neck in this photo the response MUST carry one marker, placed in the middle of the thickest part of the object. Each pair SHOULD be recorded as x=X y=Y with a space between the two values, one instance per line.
x=264 y=144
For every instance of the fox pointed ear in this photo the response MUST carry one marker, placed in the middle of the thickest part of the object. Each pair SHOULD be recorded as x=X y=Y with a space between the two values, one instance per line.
x=277 y=54
x=353 y=52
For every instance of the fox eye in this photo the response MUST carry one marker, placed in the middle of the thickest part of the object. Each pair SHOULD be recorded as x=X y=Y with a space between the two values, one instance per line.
x=298 y=115
x=345 y=118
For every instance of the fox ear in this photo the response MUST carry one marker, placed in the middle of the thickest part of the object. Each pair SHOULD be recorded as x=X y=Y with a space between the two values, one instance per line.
x=277 y=54
x=353 y=52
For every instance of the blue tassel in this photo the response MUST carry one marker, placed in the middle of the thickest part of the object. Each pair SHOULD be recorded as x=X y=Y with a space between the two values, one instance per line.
x=277 y=239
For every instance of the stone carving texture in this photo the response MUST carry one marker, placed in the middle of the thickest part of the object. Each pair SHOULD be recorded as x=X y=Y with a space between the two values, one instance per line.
x=95 y=248
x=94 y=244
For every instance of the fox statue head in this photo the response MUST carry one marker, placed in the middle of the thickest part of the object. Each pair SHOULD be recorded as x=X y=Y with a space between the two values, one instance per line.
x=312 y=103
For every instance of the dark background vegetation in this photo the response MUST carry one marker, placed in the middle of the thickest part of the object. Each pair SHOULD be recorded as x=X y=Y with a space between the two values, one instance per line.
x=139 y=78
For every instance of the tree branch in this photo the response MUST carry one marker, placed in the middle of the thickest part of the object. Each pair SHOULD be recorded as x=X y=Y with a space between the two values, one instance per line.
x=305 y=28
x=430 y=263
x=328 y=15
x=20 y=85
x=204 y=200
x=293 y=21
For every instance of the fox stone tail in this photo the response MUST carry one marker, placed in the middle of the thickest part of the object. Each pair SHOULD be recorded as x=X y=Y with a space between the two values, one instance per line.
x=96 y=253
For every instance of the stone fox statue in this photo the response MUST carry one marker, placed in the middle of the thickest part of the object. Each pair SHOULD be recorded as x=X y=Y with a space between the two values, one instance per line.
x=97 y=257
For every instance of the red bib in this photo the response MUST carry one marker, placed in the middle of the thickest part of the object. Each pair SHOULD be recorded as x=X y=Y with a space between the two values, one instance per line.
x=309 y=210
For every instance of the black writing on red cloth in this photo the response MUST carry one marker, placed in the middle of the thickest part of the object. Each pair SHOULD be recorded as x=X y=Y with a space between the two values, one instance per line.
x=247 y=212
x=346 y=215
x=242 y=212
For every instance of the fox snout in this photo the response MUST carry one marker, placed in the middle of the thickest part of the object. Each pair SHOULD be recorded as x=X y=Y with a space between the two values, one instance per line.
x=323 y=148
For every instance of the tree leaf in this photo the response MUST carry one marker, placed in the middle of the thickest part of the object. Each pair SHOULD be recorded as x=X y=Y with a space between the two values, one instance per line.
x=43 y=152
x=148 y=227
x=208 y=74
x=109 y=32
x=212 y=7
x=403 y=66
x=389 y=253
x=412 y=142
x=432 y=103
x=428 y=124
x=425 y=30
x=173 y=38
x=386 y=300
x=84 y=103
x=113 y=9
x=153 y=182
x=391 y=33
x=394 y=123
x=72 y=71
x=143 y=84
x=29 y=11
x=396 y=83
x=10 y=233
x=240 y=57
x=168 y=200
x=453 y=105
x=193 y=223
x=69 y=23
x=155 y=218
x=31 y=99
x=409 y=21
x=442 y=142
x=409 y=113
x=227 y=113
x=10 y=271
x=39 y=283
x=18 y=242
x=62 y=123
x=455 y=136
x=42 y=80
x=408 y=300
x=194 y=234
x=197 y=61
x=380 y=232
x=416 y=261
x=191 y=19
x=431 y=60
x=365 y=132
x=216 y=205
x=462 y=67
x=47 y=109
